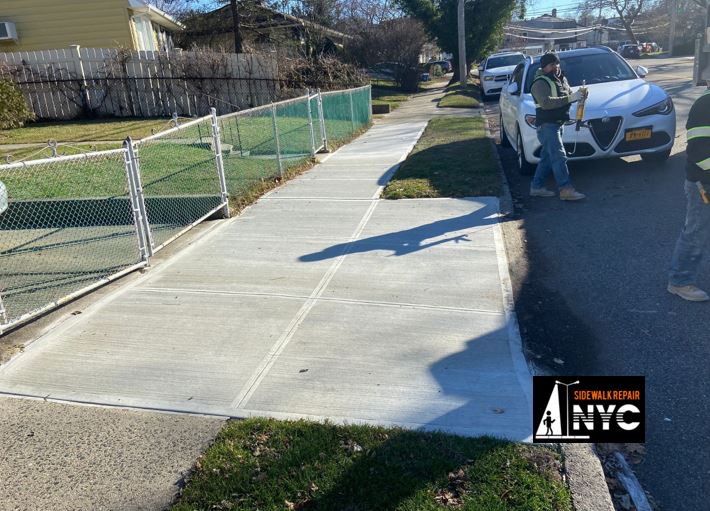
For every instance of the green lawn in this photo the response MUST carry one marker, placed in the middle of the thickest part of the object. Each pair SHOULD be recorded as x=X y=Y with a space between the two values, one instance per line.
x=453 y=158
x=83 y=131
x=391 y=96
x=181 y=163
x=39 y=152
x=272 y=465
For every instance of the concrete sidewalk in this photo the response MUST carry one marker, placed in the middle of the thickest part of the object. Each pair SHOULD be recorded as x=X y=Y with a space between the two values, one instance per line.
x=319 y=301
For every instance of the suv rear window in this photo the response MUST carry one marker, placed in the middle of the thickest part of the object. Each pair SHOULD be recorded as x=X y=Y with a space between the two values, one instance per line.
x=594 y=68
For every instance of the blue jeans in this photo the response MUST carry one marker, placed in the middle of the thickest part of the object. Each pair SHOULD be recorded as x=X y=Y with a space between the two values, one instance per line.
x=552 y=157
x=693 y=239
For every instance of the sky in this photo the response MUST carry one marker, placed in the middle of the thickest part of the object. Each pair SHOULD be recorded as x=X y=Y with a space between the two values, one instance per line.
x=565 y=8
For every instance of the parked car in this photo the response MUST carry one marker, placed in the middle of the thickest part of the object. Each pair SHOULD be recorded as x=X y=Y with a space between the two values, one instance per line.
x=495 y=71
x=445 y=65
x=624 y=43
x=624 y=114
x=630 y=51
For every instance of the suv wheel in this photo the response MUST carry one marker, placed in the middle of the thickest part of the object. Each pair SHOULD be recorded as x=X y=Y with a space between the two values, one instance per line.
x=504 y=140
x=524 y=167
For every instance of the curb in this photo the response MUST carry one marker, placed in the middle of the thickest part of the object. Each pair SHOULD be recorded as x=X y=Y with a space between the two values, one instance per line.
x=585 y=478
x=506 y=199
x=585 y=475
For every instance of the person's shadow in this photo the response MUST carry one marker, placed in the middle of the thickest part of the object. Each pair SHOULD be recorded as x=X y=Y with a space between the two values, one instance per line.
x=412 y=240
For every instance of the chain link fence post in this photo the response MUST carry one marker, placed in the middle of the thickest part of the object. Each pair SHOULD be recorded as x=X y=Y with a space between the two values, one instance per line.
x=135 y=190
x=3 y=313
x=133 y=195
x=352 y=110
x=369 y=104
x=217 y=146
x=276 y=140
x=310 y=124
x=323 y=133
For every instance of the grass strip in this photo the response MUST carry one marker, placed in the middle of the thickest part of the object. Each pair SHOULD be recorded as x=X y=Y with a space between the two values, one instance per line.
x=456 y=97
x=453 y=158
x=271 y=465
x=388 y=96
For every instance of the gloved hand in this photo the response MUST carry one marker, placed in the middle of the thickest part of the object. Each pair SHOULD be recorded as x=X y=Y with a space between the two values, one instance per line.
x=576 y=95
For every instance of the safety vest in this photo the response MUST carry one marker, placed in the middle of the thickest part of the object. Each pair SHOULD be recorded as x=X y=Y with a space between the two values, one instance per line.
x=698 y=149
x=556 y=115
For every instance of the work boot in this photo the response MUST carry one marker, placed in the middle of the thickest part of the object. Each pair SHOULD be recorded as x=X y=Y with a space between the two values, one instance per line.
x=691 y=293
x=569 y=193
x=541 y=192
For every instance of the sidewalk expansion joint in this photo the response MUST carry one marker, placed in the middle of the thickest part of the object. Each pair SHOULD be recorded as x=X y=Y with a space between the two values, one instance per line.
x=270 y=358
x=96 y=404
x=321 y=199
x=407 y=305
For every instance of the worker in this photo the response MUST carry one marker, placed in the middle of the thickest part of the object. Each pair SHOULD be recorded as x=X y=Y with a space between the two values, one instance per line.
x=682 y=279
x=553 y=98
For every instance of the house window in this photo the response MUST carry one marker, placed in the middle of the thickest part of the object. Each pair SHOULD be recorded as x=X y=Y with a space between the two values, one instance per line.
x=144 y=33
x=165 y=40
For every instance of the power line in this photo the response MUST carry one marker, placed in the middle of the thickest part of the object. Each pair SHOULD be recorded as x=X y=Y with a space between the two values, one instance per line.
x=551 y=30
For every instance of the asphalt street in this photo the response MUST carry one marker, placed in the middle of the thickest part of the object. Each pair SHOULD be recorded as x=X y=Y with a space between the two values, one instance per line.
x=590 y=281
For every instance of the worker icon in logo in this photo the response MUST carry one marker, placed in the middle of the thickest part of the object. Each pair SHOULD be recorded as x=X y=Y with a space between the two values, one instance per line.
x=547 y=421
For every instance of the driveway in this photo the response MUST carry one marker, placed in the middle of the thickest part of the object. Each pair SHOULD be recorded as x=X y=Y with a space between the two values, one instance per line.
x=590 y=283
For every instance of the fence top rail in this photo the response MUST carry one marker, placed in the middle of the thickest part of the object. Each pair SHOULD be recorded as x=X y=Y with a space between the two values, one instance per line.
x=331 y=92
x=172 y=130
x=249 y=111
x=60 y=159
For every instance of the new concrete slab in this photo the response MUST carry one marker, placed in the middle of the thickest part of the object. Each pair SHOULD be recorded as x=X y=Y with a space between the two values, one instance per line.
x=165 y=350
x=439 y=369
x=298 y=219
x=314 y=188
x=319 y=301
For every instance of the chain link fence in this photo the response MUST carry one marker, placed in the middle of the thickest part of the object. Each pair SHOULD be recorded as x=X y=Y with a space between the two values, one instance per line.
x=179 y=181
x=73 y=223
x=69 y=224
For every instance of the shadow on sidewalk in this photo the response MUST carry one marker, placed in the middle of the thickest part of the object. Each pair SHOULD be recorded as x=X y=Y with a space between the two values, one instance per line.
x=412 y=240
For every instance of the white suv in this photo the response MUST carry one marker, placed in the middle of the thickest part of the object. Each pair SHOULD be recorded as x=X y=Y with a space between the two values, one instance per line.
x=495 y=71
x=624 y=115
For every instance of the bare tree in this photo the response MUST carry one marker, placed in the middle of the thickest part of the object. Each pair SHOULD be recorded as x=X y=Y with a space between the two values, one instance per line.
x=627 y=10
x=398 y=42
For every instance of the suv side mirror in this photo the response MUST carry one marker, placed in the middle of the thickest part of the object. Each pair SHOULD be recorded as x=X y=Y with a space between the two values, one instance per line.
x=512 y=88
x=641 y=71
x=480 y=68
x=3 y=198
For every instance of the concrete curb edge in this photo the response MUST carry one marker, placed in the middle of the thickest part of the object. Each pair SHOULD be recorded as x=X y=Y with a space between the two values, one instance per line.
x=585 y=475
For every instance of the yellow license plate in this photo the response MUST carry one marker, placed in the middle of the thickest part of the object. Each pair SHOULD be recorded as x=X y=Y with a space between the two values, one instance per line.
x=638 y=134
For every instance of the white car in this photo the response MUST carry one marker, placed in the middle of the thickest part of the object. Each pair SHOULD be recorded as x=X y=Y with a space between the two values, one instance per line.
x=624 y=115
x=495 y=71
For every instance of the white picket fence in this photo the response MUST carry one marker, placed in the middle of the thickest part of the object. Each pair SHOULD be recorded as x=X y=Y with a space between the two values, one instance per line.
x=81 y=82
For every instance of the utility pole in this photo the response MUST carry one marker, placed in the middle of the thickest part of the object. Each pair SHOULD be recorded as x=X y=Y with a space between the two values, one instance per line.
x=674 y=18
x=599 y=21
x=463 y=74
